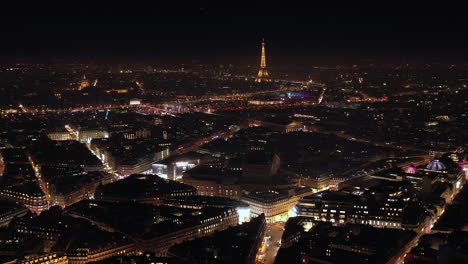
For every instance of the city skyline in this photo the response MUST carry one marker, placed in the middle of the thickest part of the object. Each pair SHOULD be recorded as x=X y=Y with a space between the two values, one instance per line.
x=257 y=134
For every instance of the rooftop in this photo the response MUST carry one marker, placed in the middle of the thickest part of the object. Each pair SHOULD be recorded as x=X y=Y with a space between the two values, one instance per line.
x=336 y=196
x=436 y=165
x=141 y=186
x=30 y=188
x=266 y=196
x=204 y=201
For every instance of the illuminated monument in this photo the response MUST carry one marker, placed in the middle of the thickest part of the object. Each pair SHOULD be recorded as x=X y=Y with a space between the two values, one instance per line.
x=263 y=75
x=84 y=83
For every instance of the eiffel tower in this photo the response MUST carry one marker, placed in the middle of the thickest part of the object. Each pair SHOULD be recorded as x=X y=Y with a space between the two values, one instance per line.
x=263 y=75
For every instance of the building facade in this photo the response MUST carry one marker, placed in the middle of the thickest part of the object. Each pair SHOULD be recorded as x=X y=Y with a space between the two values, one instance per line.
x=160 y=244
x=277 y=206
x=32 y=197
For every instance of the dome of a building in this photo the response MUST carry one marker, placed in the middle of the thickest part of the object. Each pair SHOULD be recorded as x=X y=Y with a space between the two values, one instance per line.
x=436 y=165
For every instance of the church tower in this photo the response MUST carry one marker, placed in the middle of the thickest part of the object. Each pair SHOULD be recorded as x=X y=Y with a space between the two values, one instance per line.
x=84 y=83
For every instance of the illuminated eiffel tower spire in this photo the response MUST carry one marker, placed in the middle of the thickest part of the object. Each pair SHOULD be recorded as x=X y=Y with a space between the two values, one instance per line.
x=263 y=75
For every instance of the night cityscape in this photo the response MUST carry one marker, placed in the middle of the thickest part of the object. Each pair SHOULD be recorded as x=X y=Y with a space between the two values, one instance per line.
x=206 y=135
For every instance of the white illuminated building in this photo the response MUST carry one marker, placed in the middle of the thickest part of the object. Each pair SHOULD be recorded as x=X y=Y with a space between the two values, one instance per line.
x=172 y=170
x=244 y=214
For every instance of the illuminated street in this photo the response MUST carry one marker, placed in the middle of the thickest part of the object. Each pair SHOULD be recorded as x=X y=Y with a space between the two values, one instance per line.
x=275 y=232
x=271 y=243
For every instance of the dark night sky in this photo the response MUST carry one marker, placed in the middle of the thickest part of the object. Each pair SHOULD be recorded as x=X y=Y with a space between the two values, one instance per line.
x=321 y=34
